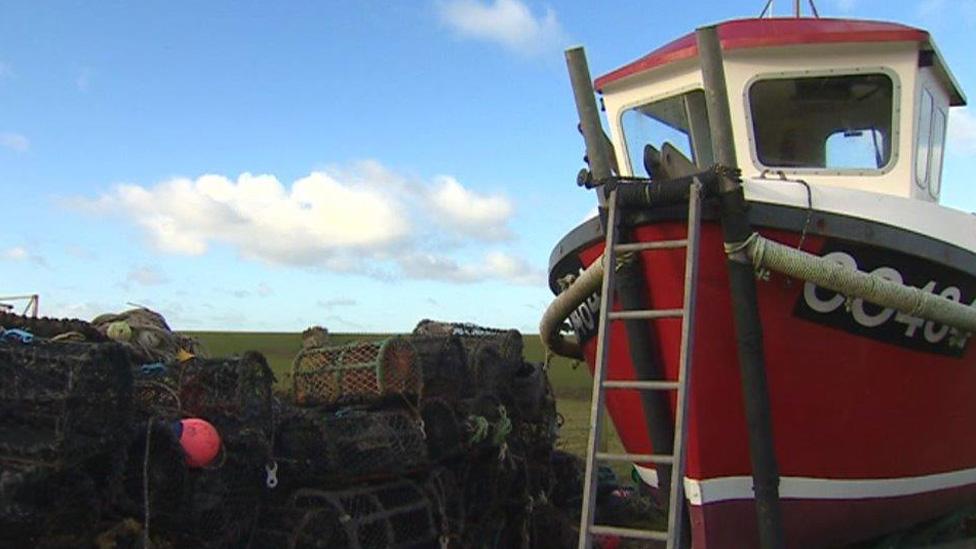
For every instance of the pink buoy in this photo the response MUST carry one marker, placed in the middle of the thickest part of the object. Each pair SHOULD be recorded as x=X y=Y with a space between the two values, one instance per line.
x=200 y=442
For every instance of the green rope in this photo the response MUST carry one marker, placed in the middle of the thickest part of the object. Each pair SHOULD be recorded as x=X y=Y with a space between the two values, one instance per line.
x=504 y=426
x=481 y=427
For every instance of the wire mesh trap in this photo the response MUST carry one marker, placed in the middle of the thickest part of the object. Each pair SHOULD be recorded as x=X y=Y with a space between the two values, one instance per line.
x=53 y=328
x=349 y=444
x=492 y=354
x=61 y=403
x=396 y=514
x=356 y=373
x=443 y=367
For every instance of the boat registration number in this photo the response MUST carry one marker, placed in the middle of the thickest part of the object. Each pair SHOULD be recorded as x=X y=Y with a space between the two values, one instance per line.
x=884 y=323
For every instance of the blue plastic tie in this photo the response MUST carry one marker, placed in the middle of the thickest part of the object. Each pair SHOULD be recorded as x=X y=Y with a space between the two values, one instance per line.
x=22 y=336
x=153 y=368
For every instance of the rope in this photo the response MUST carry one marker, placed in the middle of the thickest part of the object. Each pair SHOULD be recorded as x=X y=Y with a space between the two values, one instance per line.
x=145 y=484
x=504 y=426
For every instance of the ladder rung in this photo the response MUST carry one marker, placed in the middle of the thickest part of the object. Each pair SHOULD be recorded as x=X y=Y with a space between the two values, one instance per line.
x=642 y=385
x=628 y=533
x=661 y=459
x=648 y=314
x=659 y=245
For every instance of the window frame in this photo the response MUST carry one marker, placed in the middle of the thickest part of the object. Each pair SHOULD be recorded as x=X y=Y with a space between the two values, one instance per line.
x=619 y=118
x=895 y=137
x=935 y=175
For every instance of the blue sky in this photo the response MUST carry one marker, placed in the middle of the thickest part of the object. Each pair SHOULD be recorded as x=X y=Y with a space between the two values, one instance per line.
x=361 y=165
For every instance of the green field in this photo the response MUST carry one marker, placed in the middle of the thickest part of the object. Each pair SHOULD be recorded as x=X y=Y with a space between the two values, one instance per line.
x=570 y=380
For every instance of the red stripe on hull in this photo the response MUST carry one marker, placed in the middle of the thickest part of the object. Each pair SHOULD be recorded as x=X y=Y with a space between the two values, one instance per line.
x=843 y=405
x=822 y=523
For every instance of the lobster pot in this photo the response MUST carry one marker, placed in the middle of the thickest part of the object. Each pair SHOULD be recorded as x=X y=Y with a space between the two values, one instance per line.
x=392 y=515
x=443 y=367
x=214 y=506
x=70 y=328
x=232 y=393
x=61 y=403
x=441 y=486
x=349 y=444
x=493 y=355
x=41 y=508
x=356 y=373
x=444 y=425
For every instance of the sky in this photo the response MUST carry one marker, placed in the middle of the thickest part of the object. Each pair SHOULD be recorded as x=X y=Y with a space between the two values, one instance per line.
x=360 y=165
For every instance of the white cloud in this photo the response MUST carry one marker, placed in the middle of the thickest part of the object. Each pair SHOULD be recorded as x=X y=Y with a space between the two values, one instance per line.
x=256 y=214
x=364 y=219
x=264 y=289
x=15 y=254
x=962 y=131
x=146 y=276
x=470 y=213
x=507 y=22
x=495 y=265
x=14 y=141
x=19 y=253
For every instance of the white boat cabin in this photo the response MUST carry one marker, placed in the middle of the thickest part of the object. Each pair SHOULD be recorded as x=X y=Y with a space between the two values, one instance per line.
x=853 y=104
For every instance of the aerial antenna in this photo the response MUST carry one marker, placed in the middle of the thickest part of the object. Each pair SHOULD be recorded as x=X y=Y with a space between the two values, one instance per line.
x=768 y=9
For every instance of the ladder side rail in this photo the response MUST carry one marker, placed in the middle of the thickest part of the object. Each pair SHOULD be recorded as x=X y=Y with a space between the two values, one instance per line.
x=677 y=502
x=599 y=376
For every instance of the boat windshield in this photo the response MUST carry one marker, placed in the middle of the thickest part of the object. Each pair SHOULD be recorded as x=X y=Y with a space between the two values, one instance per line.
x=679 y=120
x=824 y=122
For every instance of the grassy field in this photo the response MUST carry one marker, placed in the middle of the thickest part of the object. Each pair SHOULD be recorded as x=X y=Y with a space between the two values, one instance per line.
x=570 y=380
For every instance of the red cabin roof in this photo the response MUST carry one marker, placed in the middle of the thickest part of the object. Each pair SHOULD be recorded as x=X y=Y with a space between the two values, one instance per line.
x=758 y=33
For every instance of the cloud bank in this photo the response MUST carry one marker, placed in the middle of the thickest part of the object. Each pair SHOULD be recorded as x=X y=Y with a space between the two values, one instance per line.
x=365 y=219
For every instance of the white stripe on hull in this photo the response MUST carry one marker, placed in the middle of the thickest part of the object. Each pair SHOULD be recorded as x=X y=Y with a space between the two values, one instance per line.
x=714 y=490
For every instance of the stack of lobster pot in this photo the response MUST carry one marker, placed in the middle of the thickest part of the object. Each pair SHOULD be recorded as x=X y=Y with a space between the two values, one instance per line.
x=352 y=454
x=439 y=437
x=63 y=431
x=184 y=504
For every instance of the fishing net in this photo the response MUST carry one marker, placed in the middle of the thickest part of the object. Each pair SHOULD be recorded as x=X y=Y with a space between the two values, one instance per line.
x=147 y=334
x=395 y=514
x=356 y=373
x=61 y=403
x=348 y=445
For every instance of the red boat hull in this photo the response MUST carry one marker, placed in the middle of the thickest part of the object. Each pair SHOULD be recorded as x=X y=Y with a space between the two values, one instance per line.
x=873 y=412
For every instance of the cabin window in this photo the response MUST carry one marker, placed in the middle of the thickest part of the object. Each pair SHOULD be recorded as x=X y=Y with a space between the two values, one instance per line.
x=922 y=139
x=823 y=122
x=929 y=141
x=936 y=151
x=680 y=121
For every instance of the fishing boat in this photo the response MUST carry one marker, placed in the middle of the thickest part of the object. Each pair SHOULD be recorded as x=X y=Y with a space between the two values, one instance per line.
x=838 y=129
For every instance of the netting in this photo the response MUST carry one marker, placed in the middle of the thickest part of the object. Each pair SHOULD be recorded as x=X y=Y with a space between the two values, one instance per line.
x=147 y=334
x=52 y=327
x=440 y=438
x=61 y=403
x=355 y=373
x=215 y=506
x=396 y=514
x=441 y=361
x=492 y=354
x=348 y=445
